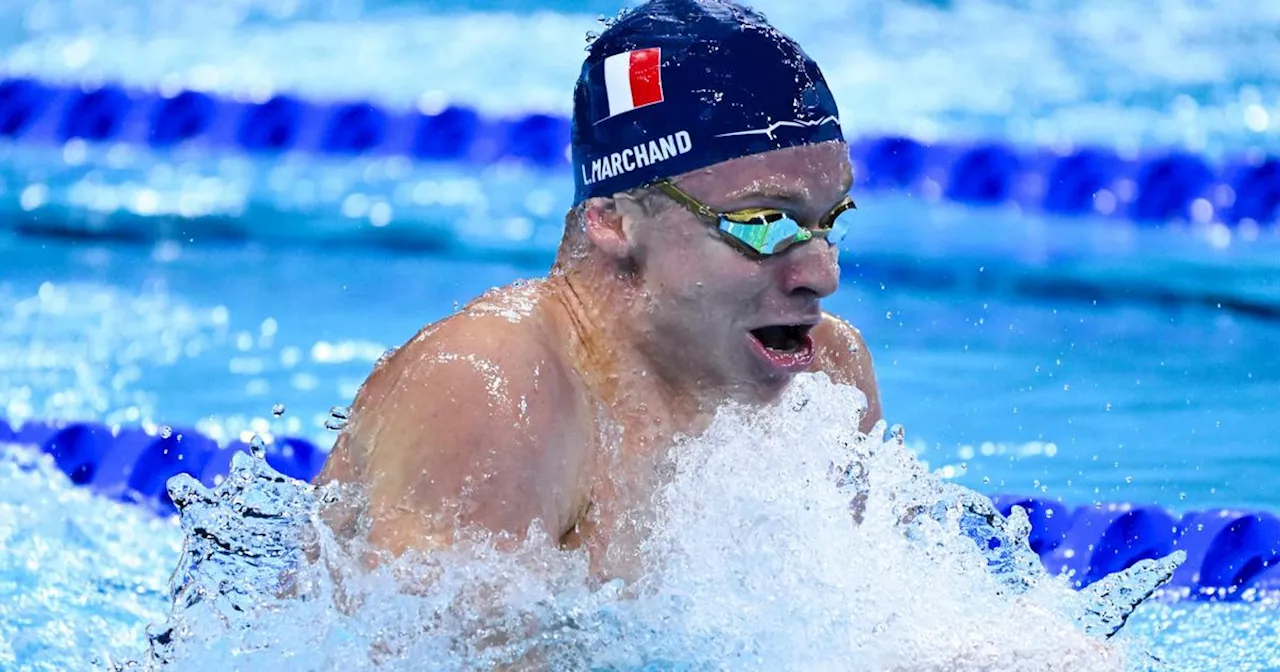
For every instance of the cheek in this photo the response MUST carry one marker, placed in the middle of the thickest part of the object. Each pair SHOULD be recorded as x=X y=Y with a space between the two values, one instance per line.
x=675 y=264
x=715 y=291
x=699 y=278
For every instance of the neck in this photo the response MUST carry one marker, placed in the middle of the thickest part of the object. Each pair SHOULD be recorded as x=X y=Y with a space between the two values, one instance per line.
x=608 y=333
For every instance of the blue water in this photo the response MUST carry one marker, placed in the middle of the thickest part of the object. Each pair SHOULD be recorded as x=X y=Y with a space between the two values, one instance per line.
x=1036 y=71
x=1091 y=361
x=1130 y=399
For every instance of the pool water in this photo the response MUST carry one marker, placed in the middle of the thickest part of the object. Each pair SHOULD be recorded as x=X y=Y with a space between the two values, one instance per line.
x=1100 y=397
x=1001 y=389
x=1086 y=360
x=71 y=610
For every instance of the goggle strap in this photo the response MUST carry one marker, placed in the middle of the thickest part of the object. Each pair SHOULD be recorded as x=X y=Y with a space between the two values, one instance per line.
x=686 y=200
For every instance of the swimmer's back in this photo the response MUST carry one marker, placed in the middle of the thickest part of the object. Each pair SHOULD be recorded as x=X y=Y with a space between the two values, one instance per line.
x=476 y=421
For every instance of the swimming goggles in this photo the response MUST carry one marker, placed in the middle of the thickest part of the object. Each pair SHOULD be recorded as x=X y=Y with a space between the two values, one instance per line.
x=762 y=232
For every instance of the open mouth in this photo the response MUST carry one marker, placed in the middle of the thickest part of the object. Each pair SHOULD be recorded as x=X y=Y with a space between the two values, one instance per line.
x=783 y=337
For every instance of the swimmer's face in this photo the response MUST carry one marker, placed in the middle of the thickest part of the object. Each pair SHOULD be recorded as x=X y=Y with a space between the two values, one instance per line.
x=718 y=314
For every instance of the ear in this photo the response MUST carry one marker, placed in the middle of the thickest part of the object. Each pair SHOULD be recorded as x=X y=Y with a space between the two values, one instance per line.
x=608 y=228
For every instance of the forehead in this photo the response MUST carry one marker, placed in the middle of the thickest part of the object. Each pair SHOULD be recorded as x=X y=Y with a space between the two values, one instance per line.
x=816 y=175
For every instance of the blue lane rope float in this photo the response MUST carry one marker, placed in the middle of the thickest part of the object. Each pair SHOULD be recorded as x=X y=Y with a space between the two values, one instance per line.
x=1228 y=551
x=1099 y=181
x=134 y=465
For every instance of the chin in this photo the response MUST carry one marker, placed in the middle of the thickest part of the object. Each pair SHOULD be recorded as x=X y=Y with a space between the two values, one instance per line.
x=761 y=384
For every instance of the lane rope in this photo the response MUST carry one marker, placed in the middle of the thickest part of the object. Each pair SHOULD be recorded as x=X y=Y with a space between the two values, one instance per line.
x=1153 y=187
x=1229 y=552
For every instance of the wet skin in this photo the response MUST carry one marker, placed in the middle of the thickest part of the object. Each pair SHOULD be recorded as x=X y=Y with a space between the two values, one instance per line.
x=555 y=401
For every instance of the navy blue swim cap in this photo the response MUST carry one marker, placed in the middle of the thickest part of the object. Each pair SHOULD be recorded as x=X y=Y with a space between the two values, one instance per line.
x=676 y=85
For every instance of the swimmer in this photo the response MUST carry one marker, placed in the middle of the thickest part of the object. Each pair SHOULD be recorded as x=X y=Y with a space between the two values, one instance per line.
x=712 y=192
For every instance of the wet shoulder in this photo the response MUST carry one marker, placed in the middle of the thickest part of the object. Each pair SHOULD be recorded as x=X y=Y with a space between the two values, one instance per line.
x=503 y=332
x=486 y=373
x=521 y=303
x=839 y=346
x=476 y=400
x=483 y=360
x=843 y=355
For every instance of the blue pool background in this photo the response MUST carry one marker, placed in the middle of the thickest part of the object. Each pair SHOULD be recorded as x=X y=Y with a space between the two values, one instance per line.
x=1119 y=402
x=1087 y=359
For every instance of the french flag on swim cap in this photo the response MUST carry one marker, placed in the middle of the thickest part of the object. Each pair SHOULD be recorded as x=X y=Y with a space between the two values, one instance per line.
x=729 y=83
x=633 y=79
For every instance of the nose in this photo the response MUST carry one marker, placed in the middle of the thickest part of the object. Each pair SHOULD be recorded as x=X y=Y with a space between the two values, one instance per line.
x=811 y=268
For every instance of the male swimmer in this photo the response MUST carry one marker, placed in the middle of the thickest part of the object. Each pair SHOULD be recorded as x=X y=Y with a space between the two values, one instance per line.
x=712 y=182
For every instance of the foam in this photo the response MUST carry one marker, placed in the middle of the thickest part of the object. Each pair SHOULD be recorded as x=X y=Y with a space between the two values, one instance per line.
x=754 y=561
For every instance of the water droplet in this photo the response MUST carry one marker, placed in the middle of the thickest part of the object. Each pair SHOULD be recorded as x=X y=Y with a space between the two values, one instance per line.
x=258 y=447
x=161 y=639
x=338 y=416
x=183 y=490
x=1048 y=513
x=1128 y=479
x=277 y=410
x=166 y=432
x=986 y=480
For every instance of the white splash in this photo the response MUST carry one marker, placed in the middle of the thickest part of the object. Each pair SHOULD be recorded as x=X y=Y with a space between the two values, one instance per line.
x=757 y=561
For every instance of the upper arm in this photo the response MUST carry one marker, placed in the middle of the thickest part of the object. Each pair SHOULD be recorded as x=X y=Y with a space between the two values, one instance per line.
x=844 y=357
x=460 y=427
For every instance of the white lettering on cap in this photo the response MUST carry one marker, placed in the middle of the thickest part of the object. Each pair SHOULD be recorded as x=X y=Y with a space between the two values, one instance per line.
x=639 y=156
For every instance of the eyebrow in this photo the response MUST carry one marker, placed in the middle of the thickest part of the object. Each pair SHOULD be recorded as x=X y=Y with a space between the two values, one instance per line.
x=769 y=193
x=772 y=193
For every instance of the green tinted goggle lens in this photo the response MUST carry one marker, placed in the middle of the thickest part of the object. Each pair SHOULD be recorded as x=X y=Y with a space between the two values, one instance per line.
x=766 y=231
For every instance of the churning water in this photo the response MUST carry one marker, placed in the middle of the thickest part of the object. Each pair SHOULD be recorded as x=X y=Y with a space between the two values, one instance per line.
x=783 y=540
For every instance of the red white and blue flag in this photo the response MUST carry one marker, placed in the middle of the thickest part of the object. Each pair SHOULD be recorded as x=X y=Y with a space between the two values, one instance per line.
x=633 y=79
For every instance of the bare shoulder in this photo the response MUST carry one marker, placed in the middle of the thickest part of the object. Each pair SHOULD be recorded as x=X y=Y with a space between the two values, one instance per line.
x=842 y=354
x=467 y=365
x=470 y=409
x=841 y=350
